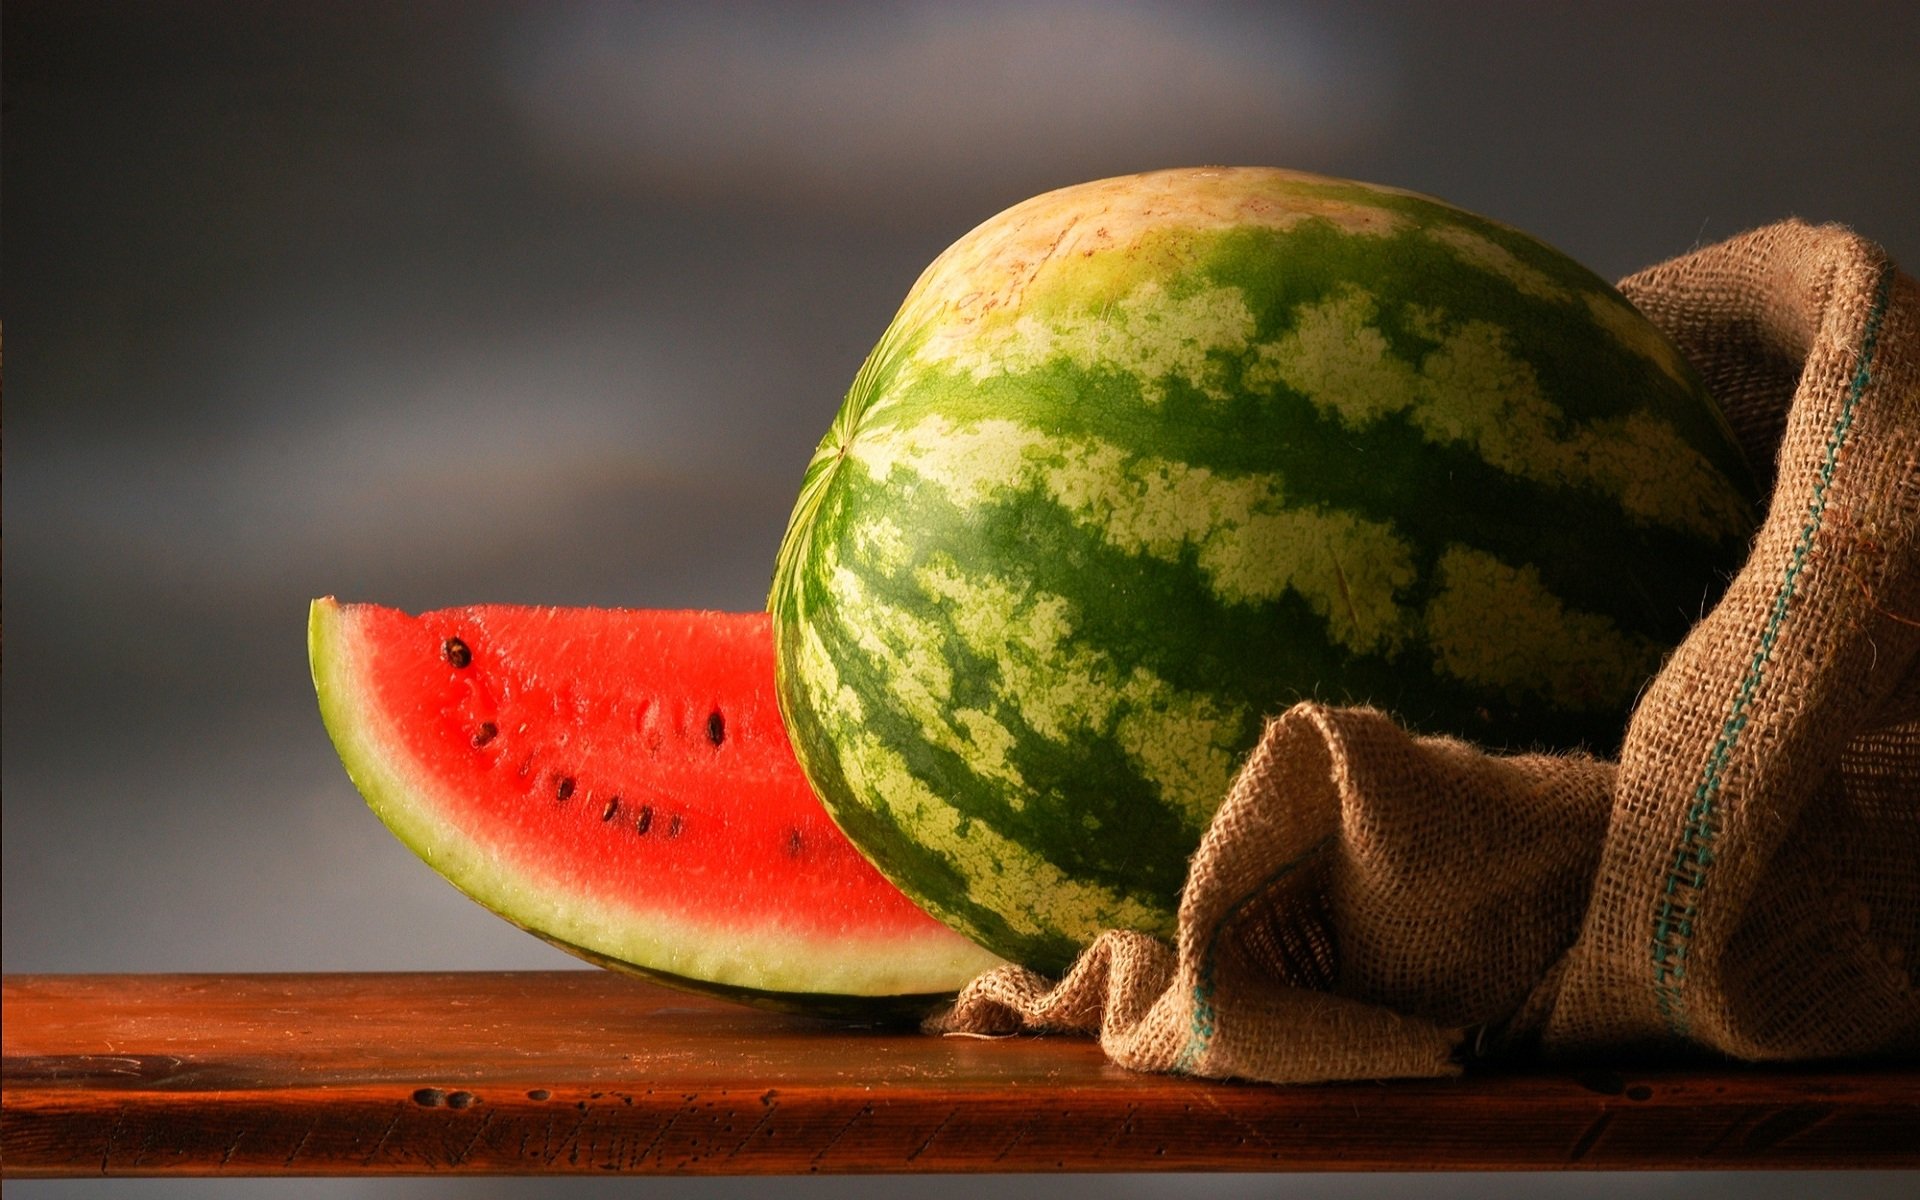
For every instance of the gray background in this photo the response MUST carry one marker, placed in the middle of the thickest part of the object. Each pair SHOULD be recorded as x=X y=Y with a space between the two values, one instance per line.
x=433 y=303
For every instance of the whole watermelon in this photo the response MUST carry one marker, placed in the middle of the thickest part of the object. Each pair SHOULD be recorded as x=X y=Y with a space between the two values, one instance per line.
x=1141 y=462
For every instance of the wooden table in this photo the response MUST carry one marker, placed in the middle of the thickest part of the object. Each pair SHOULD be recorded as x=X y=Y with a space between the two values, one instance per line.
x=591 y=1072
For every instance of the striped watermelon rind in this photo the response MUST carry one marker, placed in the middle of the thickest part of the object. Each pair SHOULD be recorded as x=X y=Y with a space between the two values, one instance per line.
x=1140 y=462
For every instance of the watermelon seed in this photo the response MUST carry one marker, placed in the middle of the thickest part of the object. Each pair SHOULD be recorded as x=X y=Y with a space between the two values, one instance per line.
x=456 y=652
x=563 y=787
x=794 y=844
x=673 y=826
x=716 y=727
x=526 y=765
x=486 y=733
x=612 y=808
x=644 y=821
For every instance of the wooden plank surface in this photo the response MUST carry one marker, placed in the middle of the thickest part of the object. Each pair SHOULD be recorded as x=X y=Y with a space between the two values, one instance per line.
x=591 y=1072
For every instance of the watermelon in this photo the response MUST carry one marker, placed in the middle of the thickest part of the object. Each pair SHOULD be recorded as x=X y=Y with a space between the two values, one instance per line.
x=1139 y=463
x=619 y=783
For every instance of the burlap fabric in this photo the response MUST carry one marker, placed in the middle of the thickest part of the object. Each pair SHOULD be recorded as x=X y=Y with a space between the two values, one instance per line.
x=1744 y=882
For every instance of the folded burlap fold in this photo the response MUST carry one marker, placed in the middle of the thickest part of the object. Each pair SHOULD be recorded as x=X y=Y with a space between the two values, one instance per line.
x=1746 y=881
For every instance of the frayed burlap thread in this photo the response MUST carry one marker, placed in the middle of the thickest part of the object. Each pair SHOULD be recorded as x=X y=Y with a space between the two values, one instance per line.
x=1746 y=881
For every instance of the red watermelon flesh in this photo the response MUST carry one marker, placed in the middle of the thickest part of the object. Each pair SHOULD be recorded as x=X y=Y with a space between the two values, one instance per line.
x=619 y=782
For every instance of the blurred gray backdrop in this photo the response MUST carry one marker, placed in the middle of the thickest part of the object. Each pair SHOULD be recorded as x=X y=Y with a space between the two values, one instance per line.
x=434 y=303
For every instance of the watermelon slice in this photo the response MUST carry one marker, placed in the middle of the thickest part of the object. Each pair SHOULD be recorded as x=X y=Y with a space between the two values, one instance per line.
x=620 y=784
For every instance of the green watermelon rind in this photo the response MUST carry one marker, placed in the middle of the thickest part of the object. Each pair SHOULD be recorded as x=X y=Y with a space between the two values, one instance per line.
x=839 y=1007
x=885 y=981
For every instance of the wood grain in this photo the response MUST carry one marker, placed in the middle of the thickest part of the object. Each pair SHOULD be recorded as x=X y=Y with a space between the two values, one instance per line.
x=591 y=1072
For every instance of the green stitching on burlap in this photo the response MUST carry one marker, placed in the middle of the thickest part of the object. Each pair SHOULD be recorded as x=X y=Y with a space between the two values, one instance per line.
x=1687 y=873
x=1204 y=1023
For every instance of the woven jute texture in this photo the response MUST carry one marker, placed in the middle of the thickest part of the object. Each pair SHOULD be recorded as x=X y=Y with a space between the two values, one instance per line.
x=1744 y=882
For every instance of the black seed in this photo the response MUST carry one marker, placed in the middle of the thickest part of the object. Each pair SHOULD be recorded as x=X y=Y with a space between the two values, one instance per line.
x=716 y=727
x=794 y=844
x=644 y=821
x=612 y=808
x=563 y=787
x=460 y=1099
x=486 y=733
x=673 y=825
x=539 y=1094
x=456 y=652
x=429 y=1097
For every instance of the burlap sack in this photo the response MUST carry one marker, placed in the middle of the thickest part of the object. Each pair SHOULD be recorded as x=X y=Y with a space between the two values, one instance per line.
x=1746 y=881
